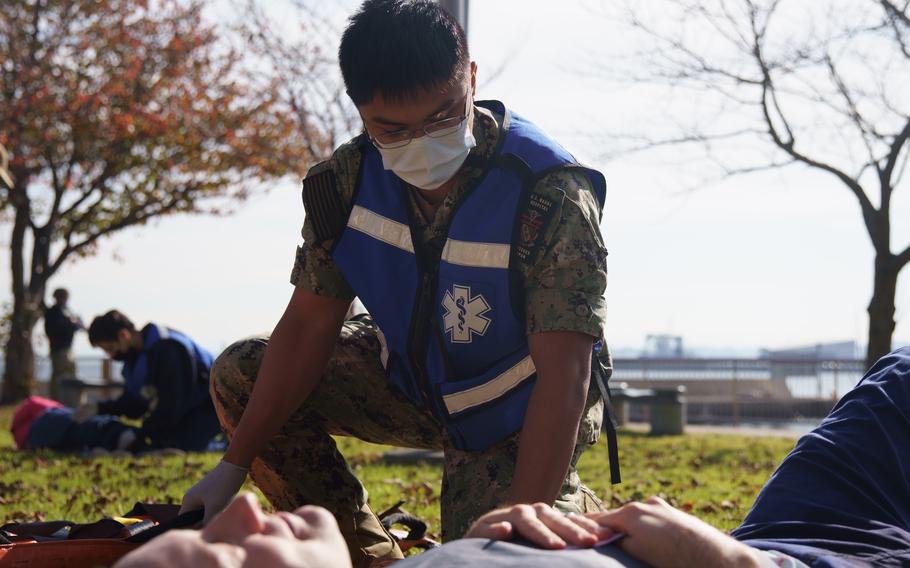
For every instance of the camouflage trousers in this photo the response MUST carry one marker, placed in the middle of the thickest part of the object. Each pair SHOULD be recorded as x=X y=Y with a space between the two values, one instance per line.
x=302 y=465
x=63 y=366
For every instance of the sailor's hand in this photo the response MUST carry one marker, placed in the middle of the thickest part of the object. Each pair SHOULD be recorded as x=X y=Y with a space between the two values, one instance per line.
x=539 y=524
x=214 y=491
x=86 y=411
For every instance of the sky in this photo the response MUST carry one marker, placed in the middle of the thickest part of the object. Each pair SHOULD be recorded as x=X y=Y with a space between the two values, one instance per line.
x=774 y=260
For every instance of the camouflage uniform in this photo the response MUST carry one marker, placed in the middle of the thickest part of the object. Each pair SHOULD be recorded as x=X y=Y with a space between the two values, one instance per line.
x=565 y=277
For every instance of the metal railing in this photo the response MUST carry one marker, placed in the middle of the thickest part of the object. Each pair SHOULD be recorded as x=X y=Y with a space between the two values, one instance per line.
x=747 y=390
x=717 y=390
x=87 y=367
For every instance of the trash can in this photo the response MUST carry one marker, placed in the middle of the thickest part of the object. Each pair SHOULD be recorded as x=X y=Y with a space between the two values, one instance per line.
x=668 y=411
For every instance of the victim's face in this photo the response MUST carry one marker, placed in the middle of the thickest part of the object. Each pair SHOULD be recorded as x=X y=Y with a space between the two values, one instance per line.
x=242 y=536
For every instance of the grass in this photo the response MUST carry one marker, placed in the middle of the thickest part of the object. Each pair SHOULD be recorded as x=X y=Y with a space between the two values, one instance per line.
x=715 y=477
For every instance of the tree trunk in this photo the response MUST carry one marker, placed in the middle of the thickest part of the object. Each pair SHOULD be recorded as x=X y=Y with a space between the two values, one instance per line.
x=19 y=375
x=881 y=308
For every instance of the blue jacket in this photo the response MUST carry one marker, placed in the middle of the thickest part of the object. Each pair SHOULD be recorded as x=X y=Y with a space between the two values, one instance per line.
x=454 y=326
x=135 y=371
x=182 y=376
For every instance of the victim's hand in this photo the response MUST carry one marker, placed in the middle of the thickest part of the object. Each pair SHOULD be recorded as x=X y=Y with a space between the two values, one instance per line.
x=663 y=536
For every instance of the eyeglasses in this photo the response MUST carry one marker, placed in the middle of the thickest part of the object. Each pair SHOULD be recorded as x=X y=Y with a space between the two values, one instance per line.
x=436 y=129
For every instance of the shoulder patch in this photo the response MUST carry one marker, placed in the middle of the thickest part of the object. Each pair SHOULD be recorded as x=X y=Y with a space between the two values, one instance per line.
x=535 y=213
x=323 y=205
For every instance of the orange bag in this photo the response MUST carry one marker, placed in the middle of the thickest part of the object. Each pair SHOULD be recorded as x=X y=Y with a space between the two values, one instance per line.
x=64 y=544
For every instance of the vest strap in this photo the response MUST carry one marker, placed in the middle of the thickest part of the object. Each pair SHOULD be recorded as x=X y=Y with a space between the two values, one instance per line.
x=610 y=422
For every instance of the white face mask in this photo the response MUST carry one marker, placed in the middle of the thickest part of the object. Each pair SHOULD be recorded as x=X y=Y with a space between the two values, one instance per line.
x=428 y=162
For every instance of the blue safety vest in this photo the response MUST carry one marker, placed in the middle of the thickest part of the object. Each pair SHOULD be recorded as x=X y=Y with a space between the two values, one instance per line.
x=454 y=330
x=135 y=372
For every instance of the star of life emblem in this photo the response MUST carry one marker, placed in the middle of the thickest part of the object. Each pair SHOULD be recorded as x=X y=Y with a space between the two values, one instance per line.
x=464 y=315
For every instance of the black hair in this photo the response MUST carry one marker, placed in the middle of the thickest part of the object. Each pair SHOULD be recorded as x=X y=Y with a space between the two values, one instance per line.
x=395 y=48
x=106 y=327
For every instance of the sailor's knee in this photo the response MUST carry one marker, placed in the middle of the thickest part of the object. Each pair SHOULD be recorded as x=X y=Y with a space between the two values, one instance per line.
x=235 y=369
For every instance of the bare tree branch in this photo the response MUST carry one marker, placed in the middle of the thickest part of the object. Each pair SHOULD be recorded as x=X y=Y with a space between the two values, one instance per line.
x=898 y=178
x=899 y=14
x=903 y=258
x=692 y=61
x=135 y=218
x=898 y=20
x=694 y=138
x=852 y=109
x=727 y=173
x=319 y=106
x=788 y=143
x=788 y=146
x=826 y=92
x=816 y=96
x=895 y=150
x=731 y=172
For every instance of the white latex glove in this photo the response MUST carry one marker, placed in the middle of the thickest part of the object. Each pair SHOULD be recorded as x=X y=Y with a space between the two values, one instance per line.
x=214 y=491
x=86 y=411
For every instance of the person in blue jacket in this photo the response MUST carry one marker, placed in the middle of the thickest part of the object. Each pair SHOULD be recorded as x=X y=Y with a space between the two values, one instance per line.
x=166 y=384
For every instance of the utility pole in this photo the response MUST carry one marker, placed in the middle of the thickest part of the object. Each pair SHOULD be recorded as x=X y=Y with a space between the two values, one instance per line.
x=459 y=9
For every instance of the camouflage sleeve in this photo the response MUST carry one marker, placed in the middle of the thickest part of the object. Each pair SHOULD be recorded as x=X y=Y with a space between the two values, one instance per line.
x=566 y=279
x=314 y=270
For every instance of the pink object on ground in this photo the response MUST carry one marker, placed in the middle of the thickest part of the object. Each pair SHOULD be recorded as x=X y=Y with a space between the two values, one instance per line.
x=27 y=412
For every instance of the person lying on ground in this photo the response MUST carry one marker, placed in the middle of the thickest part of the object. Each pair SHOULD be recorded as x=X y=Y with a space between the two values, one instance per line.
x=840 y=498
x=244 y=536
x=40 y=423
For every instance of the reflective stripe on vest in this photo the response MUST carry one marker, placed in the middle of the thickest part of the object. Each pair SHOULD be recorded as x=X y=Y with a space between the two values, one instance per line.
x=495 y=388
x=381 y=228
x=478 y=255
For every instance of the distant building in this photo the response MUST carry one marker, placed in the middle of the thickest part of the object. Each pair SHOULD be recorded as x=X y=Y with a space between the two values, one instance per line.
x=842 y=350
x=663 y=346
